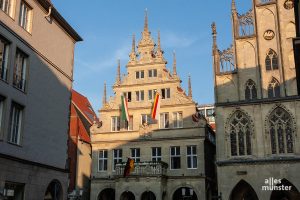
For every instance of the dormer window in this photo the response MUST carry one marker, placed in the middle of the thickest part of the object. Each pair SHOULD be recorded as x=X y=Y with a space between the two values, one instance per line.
x=152 y=73
x=139 y=74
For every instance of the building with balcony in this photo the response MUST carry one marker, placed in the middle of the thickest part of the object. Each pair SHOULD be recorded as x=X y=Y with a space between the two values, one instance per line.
x=258 y=105
x=36 y=73
x=174 y=156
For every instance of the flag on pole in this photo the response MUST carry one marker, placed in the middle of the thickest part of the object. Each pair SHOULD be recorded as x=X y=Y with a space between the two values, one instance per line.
x=156 y=107
x=124 y=108
x=129 y=167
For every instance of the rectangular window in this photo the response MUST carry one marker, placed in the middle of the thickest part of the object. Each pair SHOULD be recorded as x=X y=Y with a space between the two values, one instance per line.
x=175 y=157
x=16 y=117
x=1 y=111
x=202 y=112
x=177 y=120
x=165 y=93
x=139 y=95
x=6 y=6
x=164 y=120
x=139 y=74
x=152 y=73
x=25 y=16
x=13 y=190
x=115 y=123
x=128 y=96
x=151 y=94
x=135 y=154
x=4 y=49
x=117 y=157
x=156 y=154
x=146 y=119
x=129 y=125
x=102 y=160
x=20 y=70
x=191 y=155
x=209 y=112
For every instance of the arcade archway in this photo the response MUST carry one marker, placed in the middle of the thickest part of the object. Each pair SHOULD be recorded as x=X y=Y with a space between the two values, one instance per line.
x=127 y=196
x=291 y=194
x=243 y=191
x=185 y=193
x=54 y=191
x=148 y=196
x=107 y=194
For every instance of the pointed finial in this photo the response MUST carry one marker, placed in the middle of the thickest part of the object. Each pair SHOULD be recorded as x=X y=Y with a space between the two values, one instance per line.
x=214 y=33
x=233 y=7
x=190 y=95
x=133 y=43
x=104 y=94
x=118 y=79
x=146 y=21
x=174 y=64
x=158 y=40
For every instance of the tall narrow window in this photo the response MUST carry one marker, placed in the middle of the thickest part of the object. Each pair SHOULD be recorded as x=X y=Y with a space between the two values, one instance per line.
x=177 y=120
x=240 y=134
x=281 y=131
x=164 y=120
x=102 y=160
x=128 y=96
x=4 y=49
x=25 y=16
x=165 y=93
x=151 y=94
x=156 y=154
x=271 y=60
x=117 y=153
x=175 y=157
x=19 y=79
x=136 y=154
x=115 y=123
x=274 y=88
x=128 y=125
x=6 y=6
x=191 y=154
x=250 y=91
x=1 y=111
x=139 y=95
x=16 y=118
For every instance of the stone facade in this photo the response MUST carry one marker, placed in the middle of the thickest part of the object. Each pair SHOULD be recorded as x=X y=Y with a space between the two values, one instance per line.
x=150 y=142
x=257 y=104
x=35 y=90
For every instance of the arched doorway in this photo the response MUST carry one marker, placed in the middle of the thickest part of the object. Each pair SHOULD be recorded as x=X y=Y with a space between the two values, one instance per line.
x=185 y=193
x=127 y=196
x=290 y=194
x=148 y=196
x=107 y=194
x=54 y=191
x=243 y=191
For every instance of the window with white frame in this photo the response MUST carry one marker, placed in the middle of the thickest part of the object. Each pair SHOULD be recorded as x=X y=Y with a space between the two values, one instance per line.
x=191 y=155
x=4 y=49
x=152 y=73
x=1 y=111
x=175 y=157
x=165 y=93
x=151 y=94
x=146 y=119
x=128 y=125
x=19 y=79
x=102 y=160
x=156 y=154
x=164 y=120
x=136 y=154
x=16 y=118
x=117 y=157
x=115 y=123
x=25 y=17
x=139 y=74
x=139 y=95
x=177 y=120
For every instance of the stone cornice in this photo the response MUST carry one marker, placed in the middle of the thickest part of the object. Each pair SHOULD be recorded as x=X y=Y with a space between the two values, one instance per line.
x=146 y=84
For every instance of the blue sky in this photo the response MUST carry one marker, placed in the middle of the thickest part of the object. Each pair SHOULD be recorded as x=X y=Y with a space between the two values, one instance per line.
x=107 y=28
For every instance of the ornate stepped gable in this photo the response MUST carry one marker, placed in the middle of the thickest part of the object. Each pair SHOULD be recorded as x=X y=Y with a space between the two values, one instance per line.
x=147 y=56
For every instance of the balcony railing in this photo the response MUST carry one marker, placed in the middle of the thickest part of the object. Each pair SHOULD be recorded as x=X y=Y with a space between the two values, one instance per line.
x=148 y=168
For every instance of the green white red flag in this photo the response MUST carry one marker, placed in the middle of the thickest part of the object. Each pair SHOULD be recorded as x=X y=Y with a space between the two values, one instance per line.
x=124 y=108
x=156 y=107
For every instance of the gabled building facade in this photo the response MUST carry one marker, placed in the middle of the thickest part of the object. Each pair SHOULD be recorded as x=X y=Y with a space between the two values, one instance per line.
x=169 y=153
x=258 y=105
x=36 y=73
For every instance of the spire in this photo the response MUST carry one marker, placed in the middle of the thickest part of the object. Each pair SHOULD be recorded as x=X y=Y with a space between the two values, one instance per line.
x=104 y=95
x=146 y=29
x=190 y=87
x=132 y=54
x=118 y=79
x=233 y=7
x=158 y=41
x=174 y=64
x=159 y=52
x=214 y=34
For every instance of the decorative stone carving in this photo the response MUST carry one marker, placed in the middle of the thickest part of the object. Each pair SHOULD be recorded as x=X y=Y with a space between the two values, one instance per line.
x=269 y=34
x=288 y=4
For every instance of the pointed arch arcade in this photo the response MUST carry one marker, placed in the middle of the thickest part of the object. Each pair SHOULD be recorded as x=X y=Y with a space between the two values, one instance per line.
x=243 y=190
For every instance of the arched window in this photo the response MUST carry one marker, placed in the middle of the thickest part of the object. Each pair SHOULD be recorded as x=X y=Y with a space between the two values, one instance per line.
x=281 y=131
x=240 y=134
x=271 y=60
x=250 y=91
x=273 y=88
